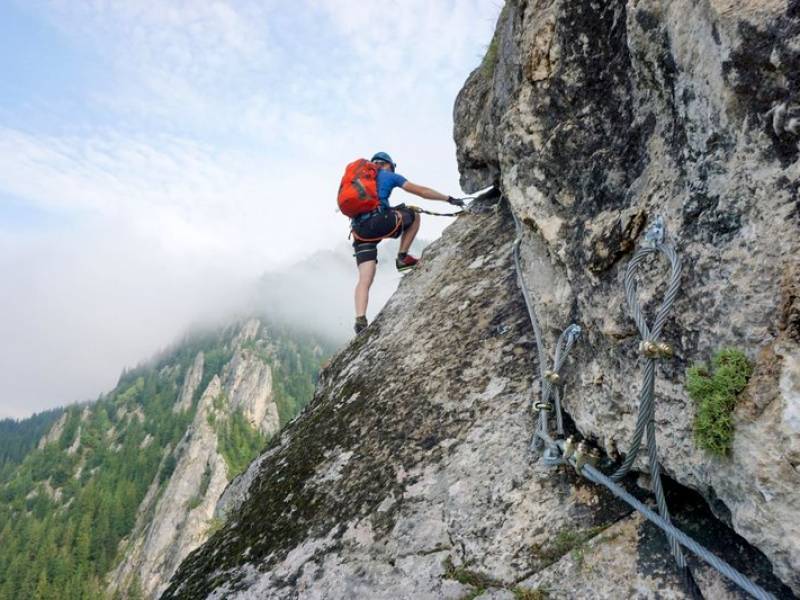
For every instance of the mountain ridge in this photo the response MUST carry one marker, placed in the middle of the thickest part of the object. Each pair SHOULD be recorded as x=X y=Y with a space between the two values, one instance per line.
x=130 y=480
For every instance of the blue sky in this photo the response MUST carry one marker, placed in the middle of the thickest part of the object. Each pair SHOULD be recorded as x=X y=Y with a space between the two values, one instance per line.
x=157 y=156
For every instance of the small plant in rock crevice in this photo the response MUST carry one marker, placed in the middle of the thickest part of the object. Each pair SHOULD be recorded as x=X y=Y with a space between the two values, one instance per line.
x=214 y=525
x=490 y=58
x=468 y=577
x=481 y=583
x=521 y=593
x=566 y=540
x=715 y=391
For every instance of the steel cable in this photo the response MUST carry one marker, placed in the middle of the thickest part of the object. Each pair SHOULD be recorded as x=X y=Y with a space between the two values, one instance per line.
x=592 y=474
x=564 y=344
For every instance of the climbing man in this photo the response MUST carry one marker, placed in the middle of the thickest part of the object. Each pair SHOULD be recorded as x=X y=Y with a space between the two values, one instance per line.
x=382 y=222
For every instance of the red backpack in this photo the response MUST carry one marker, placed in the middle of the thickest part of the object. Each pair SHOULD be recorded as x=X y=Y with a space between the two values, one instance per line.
x=358 y=192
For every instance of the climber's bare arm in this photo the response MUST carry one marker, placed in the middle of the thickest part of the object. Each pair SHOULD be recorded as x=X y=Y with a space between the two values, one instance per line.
x=424 y=192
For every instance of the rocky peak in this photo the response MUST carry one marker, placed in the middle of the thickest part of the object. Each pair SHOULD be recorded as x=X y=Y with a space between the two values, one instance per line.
x=190 y=384
x=248 y=386
x=54 y=433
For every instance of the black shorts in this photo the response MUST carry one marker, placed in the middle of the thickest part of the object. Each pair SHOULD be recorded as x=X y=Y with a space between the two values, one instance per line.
x=389 y=224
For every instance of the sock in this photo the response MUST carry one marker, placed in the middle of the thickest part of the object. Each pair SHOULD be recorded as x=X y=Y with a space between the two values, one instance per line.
x=361 y=319
x=402 y=255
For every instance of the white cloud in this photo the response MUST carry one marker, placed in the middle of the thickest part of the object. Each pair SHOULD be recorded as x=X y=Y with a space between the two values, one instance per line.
x=208 y=148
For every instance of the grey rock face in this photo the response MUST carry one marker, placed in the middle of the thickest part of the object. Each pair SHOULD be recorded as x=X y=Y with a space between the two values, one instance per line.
x=54 y=433
x=599 y=116
x=190 y=384
x=408 y=476
x=239 y=489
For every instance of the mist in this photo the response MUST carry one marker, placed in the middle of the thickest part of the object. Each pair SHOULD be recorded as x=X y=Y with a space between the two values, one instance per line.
x=79 y=307
x=317 y=293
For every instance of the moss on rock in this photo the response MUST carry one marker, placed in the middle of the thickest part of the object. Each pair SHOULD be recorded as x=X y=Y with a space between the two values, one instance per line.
x=715 y=391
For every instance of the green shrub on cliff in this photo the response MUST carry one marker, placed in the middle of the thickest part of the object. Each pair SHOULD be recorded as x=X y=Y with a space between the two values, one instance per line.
x=239 y=442
x=715 y=392
x=490 y=58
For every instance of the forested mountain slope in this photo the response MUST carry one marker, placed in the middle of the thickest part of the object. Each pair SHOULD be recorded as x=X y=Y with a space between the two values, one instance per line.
x=18 y=437
x=152 y=454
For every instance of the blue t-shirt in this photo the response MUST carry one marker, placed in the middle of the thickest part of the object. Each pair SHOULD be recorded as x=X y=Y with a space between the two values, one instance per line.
x=386 y=182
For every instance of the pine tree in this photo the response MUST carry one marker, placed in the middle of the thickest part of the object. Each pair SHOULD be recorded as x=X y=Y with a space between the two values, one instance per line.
x=42 y=590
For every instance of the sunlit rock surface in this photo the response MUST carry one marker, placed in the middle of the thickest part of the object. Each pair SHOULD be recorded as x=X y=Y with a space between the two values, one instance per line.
x=408 y=476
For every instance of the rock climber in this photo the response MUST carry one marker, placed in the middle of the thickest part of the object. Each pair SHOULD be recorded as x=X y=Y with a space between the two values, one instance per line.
x=385 y=222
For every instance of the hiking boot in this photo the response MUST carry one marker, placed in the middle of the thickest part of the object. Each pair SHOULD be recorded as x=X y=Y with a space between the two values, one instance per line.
x=361 y=325
x=405 y=262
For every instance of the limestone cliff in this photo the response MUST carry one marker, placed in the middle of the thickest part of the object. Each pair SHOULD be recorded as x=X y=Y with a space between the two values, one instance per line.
x=118 y=491
x=595 y=117
x=409 y=477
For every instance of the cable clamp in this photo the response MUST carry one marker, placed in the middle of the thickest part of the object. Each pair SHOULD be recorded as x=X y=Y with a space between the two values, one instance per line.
x=552 y=377
x=543 y=406
x=594 y=457
x=551 y=456
x=585 y=454
x=656 y=350
x=581 y=455
x=569 y=446
x=573 y=332
x=665 y=350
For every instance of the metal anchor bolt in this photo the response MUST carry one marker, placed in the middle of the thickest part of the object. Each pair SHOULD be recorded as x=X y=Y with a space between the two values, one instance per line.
x=569 y=446
x=552 y=377
x=665 y=350
x=581 y=455
x=649 y=349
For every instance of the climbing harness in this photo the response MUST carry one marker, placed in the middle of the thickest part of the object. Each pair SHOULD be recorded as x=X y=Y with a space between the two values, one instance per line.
x=398 y=225
x=399 y=220
x=583 y=456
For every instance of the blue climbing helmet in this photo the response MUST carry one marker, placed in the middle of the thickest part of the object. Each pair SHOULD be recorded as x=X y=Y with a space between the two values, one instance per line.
x=383 y=157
